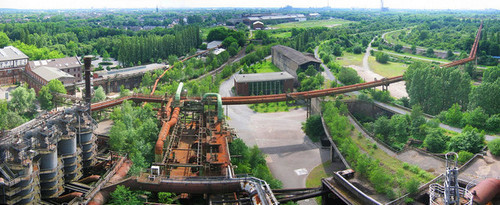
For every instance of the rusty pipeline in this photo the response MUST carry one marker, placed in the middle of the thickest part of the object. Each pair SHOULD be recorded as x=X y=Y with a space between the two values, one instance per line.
x=102 y=196
x=165 y=129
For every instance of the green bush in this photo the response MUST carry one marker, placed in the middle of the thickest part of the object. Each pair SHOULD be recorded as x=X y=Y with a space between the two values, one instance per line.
x=494 y=146
x=464 y=156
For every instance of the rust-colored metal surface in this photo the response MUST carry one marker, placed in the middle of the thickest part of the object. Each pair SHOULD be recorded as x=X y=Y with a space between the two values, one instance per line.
x=472 y=54
x=486 y=190
x=261 y=98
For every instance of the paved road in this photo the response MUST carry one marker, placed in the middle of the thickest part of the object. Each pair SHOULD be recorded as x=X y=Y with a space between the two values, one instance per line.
x=327 y=73
x=291 y=155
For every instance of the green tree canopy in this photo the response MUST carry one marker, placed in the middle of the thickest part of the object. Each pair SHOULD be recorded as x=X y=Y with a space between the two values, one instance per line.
x=99 y=95
x=4 y=40
x=494 y=146
x=23 y=99
x=469 y=140
x=45 y=96
x=435 y=141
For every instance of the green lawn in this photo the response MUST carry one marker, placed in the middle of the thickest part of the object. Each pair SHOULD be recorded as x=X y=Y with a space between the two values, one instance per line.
x=272 y=107
x=267 y=67
x=393 y=38
x=286 y=34
x=423 y=58
x=350 y=59
x=314 y=178
x=390 y=69
x=312 y=23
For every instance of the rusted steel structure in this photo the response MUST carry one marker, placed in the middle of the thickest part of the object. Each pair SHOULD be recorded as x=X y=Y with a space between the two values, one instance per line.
x=472 y=54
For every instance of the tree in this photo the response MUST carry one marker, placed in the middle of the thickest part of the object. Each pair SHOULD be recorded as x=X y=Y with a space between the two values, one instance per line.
x=464 y=156
x=4 y=40
x=261 y=35
x=357 y=49
x=414 y=49
x=233 y=49
x=493 y=123
x=166 y=197
x=450 y=55
x=401 y=126
x=454 y=115
x=475 y=118
x=429 y=52
x=124 y=92
x=381 y=57
x=45 y=96
x=10 y=119
x=398 y=48
x=122 y=195
x=382 y=126
x=311 y=71
x=22 y=99
x=314 y=128
x=412 y=186
x=435 y=141
x=469 y=140
x=494 y=146
x=417 y=120
x=228 y=41
x=348 y=76
x=485 y=96
x=147 y=80
x=99 y=95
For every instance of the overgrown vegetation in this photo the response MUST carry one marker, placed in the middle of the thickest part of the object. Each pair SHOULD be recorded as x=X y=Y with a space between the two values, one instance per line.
x=273 y=107
x=251 y=161
x=387 y=177
x=134 y=132
x=314 y=128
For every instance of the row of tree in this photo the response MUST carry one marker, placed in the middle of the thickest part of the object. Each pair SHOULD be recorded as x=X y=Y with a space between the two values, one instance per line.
x=144 y=49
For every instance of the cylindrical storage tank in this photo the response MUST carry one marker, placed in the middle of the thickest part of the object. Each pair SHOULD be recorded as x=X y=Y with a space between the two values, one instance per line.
x=50 y=174
x=27 y=187
x=67 y=149
x=87 y=144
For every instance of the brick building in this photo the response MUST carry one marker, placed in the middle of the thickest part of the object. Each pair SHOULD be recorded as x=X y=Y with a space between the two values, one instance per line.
x=68 y=70
x=263 y=83
x=290 y=60
x=12 y=63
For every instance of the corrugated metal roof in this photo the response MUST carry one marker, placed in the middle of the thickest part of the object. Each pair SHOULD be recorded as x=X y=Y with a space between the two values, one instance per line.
x=11 y=53
x=259 y=77
x=295 y=55
x=50 y=73
x=213 y=44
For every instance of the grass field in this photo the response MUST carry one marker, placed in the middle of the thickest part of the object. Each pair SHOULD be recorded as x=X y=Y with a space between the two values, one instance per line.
x=312 y=23
x=286 y=34
x=351 y=59
x=390 y=69
x=393 y=38
x=272 y=107
x=267 y=67
x=417 y=57
x=315 y=176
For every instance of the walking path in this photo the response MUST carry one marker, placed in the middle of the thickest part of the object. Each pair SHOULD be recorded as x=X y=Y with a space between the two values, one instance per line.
x=291 y=155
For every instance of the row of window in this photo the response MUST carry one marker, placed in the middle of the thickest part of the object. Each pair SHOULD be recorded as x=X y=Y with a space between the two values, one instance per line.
x=265 y=87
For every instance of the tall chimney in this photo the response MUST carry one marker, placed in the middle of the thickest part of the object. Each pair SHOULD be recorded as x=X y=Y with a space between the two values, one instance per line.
x=87 y=60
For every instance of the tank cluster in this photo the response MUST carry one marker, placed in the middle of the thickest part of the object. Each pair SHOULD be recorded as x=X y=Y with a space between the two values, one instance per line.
x=38 y=157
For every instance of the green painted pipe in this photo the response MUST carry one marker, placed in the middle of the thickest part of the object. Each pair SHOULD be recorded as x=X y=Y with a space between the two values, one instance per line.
x=178 y=95
x=219 y=104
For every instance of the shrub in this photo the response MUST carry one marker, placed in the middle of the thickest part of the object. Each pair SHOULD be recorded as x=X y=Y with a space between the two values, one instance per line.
x=464 y=156
x=412 y=186
x=381 y=57
x=494 y=147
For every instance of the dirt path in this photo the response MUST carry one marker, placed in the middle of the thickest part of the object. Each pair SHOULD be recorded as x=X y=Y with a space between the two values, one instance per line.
x=397 y=90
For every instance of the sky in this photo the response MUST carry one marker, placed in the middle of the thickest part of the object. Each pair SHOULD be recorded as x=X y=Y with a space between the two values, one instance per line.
x=398 y=4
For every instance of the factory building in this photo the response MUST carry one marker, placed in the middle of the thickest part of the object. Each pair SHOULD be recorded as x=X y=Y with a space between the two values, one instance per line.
x=290 y=60
x=12 y=62
x=263 y=83
x=68 y=70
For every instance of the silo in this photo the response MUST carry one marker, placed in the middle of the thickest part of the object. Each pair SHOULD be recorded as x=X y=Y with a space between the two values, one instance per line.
x=68 y=151
x=51 y=174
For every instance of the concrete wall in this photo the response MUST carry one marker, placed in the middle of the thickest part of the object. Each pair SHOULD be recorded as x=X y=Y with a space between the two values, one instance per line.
x=284 y=63
x=367 y=109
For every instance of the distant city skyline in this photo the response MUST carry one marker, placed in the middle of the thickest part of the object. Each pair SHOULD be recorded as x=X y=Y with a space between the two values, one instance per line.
x=392 y=4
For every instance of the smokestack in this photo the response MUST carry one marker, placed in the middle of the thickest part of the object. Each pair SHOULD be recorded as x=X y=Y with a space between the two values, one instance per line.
x=87 y=60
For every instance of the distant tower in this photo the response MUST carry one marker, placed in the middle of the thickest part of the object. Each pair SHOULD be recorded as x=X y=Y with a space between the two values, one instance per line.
x=382 y=8
x=156 y=8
